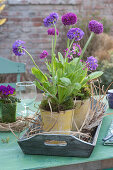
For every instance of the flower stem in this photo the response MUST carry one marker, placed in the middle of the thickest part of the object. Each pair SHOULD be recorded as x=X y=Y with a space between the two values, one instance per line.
x=52 y=50
x=68 y=40
x=31 y=58
x=55 y=39
x=69 y=48
x=86 y=45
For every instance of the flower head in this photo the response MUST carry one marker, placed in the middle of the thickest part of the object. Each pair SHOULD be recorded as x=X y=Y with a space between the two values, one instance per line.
x=51 y=19
x=69 y=19
x=76 y=49
x=51 y=31
x=18 y=48
x=10 y=89
x=76 y=33
x=6 y=90
x=44 y=54
x=95 y=26
x=91 y=63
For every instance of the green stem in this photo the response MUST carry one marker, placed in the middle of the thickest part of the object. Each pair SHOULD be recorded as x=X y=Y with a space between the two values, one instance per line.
x=55 y=39
x=30 y=57
x=52 y=50
x=52 y=62
x=86 y=45
x=69 y=48
x=33 y=61
x=68 y=41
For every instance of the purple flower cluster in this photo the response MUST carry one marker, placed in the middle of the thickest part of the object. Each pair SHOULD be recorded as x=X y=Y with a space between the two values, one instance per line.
x=91 y=63
x=69 y=19
x=69 y=55
x=18 y=48
x=51 y=31
x=6 y=90
x=76 y=33
x=95 y=26
x=51 y=19
x=44 y=54
x=76 y=49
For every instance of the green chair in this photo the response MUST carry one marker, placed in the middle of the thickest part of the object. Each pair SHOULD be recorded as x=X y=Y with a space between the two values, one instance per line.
x=10 y=67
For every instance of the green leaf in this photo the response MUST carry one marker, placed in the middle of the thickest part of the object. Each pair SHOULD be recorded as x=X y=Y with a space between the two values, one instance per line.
x=59 y=73
x=65 y=81
x=38 y=85
x=94 y=75
x=39 y=74
x=84 y=81
x=74 y=61
x=59 y=65
x=77 y=86
x=49 y=67
x=77 y=76
x=61 y=58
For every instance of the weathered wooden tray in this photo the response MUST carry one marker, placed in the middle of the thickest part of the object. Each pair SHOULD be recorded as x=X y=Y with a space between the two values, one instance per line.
x=69 y=145
x=72 y=147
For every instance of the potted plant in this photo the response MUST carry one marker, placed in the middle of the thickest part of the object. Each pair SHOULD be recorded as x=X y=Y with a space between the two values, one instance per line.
x=8 y=104
x=67 y=77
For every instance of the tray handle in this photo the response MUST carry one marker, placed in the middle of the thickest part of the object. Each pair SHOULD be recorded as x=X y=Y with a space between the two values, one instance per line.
x=55 y=140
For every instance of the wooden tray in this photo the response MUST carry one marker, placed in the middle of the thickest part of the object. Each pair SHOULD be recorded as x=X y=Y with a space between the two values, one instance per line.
x=71 y=146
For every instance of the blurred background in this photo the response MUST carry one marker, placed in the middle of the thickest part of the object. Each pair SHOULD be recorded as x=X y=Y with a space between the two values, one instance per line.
x=23 y=19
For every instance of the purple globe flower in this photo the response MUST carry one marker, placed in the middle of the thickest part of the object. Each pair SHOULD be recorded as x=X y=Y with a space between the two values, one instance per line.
x=51 y=31
x=18 y=48
x=51 y=19
x=54 y=15
x=69 y=19
x=44 y=54
x=76 y=33
x=95 y=26
x=91 y=63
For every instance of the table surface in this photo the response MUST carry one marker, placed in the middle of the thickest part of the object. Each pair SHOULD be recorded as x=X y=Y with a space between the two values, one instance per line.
x=12 y=158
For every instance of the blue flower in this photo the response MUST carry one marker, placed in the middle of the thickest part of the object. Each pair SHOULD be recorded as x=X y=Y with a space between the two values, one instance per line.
x=76 y=33
x=51 y=19
x=91 y=63
x=18 y=48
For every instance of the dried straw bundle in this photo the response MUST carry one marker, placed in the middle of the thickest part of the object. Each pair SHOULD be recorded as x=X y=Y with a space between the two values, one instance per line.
x=17 y=126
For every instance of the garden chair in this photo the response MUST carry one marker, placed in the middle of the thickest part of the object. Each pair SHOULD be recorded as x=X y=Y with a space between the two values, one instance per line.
x=10 y=67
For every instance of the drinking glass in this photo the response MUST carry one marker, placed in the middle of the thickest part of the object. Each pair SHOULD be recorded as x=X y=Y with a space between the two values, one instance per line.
x=26 y=92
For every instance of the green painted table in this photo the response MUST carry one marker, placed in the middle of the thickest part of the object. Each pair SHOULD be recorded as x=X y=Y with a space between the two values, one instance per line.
x=12 y=158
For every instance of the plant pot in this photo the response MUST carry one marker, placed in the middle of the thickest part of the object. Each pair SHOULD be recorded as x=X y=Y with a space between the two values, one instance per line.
x=8 y=112
x=80 y=112
x=55 y=121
